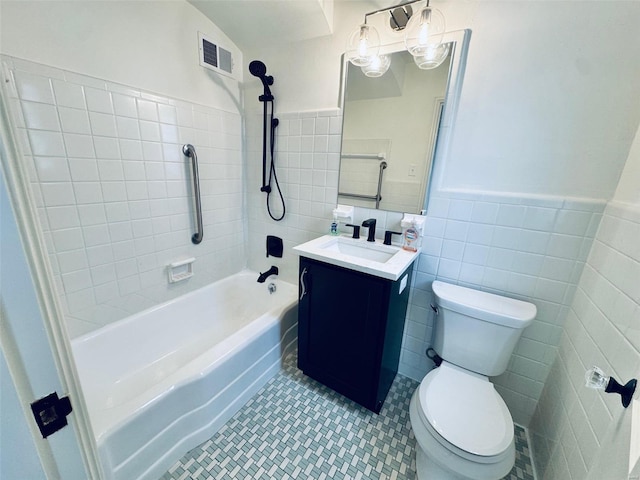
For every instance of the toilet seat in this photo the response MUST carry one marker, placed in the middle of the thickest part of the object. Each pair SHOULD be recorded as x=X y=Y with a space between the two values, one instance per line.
x=438 y=459
x=465 y=413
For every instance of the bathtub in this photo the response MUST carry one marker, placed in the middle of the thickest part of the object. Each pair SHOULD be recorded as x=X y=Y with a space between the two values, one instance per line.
x=161 y=382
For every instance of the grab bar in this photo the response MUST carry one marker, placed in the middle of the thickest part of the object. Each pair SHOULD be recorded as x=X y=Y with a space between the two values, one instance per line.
x=372 y=156
x=383 y=165
x=377 y=197
x=189 y=151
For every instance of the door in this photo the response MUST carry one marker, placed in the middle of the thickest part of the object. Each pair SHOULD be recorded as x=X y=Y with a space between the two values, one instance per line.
x=340 y=328
x=35 y=361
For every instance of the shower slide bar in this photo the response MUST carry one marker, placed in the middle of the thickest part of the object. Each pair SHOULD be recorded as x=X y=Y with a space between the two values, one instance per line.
x=189 y=151
x=377 y=197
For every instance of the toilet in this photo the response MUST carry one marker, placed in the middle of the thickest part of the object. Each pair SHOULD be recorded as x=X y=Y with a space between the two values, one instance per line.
x=463 y=428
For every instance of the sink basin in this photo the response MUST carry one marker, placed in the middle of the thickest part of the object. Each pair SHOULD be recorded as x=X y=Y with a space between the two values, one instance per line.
x=374 y=258
x=367 y=251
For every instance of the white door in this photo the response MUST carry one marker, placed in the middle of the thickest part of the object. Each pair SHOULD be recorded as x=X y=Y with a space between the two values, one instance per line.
x=34 y=361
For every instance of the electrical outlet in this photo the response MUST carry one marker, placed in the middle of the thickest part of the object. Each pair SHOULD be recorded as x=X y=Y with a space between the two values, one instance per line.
x=412 y=170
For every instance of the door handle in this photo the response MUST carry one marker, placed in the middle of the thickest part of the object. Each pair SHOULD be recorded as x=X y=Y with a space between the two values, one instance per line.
x=302 y=285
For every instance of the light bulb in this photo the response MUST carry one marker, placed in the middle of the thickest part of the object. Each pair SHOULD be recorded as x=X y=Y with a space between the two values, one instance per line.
x=378 y=66
x=424 y=29
x=425 y=23
x=362 y=45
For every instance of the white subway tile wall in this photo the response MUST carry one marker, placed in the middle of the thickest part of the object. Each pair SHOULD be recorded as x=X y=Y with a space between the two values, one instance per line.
x=114 y=192
x=576 y=430
x=526 y=247
x=307 y=162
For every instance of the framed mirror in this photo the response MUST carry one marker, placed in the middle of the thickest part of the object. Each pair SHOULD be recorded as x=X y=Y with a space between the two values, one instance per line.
x=396 y=129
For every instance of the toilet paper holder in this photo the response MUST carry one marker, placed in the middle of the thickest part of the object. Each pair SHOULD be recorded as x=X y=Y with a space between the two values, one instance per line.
x=596 y=379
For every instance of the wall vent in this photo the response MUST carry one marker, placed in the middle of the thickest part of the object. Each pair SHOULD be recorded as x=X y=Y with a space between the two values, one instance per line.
x=215 y=57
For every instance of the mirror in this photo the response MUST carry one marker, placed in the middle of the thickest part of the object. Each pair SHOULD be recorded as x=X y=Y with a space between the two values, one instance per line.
x=391 y=127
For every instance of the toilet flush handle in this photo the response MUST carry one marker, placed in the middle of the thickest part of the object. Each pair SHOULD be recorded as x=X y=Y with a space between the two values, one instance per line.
x=433 y=356
x=434 y=308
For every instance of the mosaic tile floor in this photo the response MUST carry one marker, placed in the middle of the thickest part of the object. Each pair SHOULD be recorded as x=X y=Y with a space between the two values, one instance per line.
x=296 y=428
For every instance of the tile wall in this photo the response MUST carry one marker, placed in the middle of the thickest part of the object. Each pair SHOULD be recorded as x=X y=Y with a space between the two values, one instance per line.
x=531 y=248
x=307 y=165
x=307 y=162
x=114 y=192
x=580 y=433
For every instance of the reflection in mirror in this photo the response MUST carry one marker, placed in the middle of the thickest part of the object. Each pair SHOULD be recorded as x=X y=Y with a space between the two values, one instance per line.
x=392 y=126
x=389 y=132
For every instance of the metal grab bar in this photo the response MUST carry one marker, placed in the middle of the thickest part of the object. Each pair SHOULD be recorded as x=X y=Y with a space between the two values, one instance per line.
x=189 y=151
x=370 y=156
x=377 y=197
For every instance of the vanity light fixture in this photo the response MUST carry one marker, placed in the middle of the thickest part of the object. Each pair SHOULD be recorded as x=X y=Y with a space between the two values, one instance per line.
x=423 y=33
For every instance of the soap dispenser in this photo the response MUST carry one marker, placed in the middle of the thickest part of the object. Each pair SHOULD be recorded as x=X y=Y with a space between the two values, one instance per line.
x=410 y=236
x=334 y=224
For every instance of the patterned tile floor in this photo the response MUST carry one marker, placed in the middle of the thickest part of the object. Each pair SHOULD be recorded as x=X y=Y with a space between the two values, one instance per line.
x=296 y=428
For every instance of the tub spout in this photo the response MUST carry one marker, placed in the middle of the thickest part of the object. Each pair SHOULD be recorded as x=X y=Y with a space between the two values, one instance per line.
x=263 y=276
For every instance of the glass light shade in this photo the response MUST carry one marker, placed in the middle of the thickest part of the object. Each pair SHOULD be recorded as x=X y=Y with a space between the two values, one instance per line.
x=433 y=58
x=378 y=66
x=363 y=45
x=425 y=28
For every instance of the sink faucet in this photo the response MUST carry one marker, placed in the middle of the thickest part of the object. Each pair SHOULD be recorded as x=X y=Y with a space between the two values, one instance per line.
x=370 y=223
x=356 y=230
x=263 y=276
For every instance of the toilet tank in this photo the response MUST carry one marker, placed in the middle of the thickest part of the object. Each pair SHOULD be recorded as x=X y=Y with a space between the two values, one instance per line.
x=477 y=330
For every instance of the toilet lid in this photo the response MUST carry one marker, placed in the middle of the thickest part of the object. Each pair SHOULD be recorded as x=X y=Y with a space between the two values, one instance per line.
x=466 y=410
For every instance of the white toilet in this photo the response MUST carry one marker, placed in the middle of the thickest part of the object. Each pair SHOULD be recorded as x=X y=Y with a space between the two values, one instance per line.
x=462 y=426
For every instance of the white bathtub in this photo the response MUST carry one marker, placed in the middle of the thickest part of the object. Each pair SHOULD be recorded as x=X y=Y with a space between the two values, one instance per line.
x=163 y=381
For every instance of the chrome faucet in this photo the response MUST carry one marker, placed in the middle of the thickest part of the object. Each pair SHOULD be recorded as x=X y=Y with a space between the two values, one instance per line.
x=263 y=276
x=370 y=223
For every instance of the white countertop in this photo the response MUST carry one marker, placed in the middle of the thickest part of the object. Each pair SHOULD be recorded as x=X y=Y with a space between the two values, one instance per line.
x=327 y=249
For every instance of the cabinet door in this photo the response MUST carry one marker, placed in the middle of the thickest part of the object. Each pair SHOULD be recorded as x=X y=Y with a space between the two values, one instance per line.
x=340 y=323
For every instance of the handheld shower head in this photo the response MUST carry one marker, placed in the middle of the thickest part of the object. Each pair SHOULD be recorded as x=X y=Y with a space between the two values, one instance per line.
x=259 y=69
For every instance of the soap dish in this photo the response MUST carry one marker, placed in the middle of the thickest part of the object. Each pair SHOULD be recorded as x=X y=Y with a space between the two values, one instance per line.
x=181 y=270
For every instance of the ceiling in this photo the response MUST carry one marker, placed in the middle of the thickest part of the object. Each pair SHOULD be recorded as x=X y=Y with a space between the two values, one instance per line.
x=258 y=22
x=271 y=22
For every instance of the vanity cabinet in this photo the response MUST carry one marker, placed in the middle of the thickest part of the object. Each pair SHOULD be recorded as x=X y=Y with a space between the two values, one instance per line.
x=350 y=327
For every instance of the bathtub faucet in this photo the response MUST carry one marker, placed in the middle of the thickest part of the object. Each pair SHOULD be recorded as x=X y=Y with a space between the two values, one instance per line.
x=263 y=276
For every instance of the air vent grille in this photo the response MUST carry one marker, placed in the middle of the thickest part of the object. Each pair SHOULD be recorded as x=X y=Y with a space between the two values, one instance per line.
x=210 y=53
x=215 y=57
x=226 y=63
